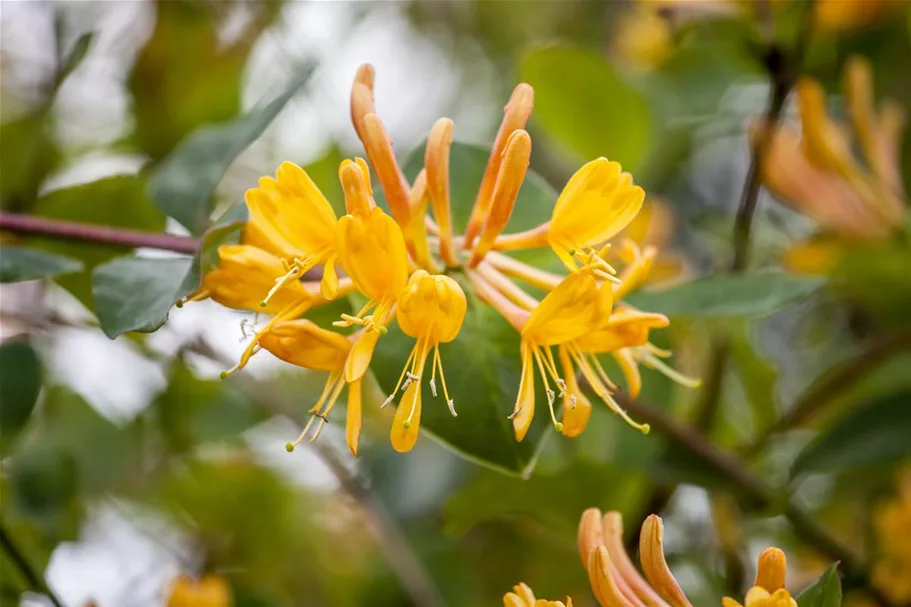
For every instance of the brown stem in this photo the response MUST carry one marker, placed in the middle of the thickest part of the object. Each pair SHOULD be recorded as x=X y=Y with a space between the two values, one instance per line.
x=71 y=230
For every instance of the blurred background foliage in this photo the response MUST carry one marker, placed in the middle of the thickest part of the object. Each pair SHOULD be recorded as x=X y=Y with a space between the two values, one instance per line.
x=127 y=463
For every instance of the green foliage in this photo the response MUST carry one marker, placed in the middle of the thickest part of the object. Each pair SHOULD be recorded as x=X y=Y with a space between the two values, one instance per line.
x=135 y=294
x=19 y=263
x=825 y=592
x=37 y=154
x=871 y=435
x=117 y=202
x=183 y=185
x=574 y=91
x=724 y=295
x=21 y=377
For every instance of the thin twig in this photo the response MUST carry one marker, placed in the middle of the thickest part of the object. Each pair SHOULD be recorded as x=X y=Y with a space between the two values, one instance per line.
x=35 y=581
x=71 y=230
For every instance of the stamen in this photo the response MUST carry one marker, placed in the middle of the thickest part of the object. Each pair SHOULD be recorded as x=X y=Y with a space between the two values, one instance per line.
x=616 y=408
x=608 y=277
x=451 y=404
x=653 y=362
x=551 y=395
x=289 y=447
x=291 y=274
x=602 y=373
x=433 y=386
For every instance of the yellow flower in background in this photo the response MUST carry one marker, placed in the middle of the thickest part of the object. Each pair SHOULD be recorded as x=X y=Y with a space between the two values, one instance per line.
x=616 y=582
x=431 y=310
x=892 y=525
x=207 y=591
x=522 y=596
x=816 y=172
x=850 y=15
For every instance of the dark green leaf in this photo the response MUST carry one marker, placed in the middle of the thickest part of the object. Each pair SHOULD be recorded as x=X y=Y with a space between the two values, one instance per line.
x=135 y=294
x=76 y=55
x=19 y=263
x=116 y=202
x=183 y=184
x=871 y=435
x=582 y=102
x=20 y=384
x=723 y=295
x=826 y=592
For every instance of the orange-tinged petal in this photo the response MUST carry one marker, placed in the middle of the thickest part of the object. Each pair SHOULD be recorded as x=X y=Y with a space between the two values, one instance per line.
x=591 y=534
x=353 y=422
x=815 y=256
x=208 y=591
x=305 y=344
x=360 y=356
x=404 y=433
x=513 y=168
x=515 y=116
x=729 y=602
x=436 y=163
x=362 y=97
x=577 y=409
x=630 y=369
x=513 y=600
x=355 y=185
x=395 y=186
x=823 y=143
x=525 y=402
x=329 y=282
x=772 y=568
x=651 y=554
x=598 y=201
x=612 y=525
x=289 y=216
x=604 y=584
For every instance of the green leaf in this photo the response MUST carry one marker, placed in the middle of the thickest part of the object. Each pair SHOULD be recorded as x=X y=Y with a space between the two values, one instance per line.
x=76 y=55
x=37 y=155
x=729 y=295
x=21 y=377
x=872 y=435
x=482 y=363
x=116 y=202
x=20 y=263
x=135 y=294
x=182 y=186
x=582 y=102
x=826 y=592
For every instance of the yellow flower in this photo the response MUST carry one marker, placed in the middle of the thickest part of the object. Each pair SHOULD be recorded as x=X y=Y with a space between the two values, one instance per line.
x=430 y=309
x=372 y=249
x=290 y=218
x=208 y=591
x=522 y=596
x=892 y=524
x=303 y=343
x=818 y=173
x=576 y=305
x=616 y=582
x=849 y=15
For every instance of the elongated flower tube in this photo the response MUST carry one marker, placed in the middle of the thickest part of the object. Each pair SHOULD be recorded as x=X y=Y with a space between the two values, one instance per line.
x=305 y=344
x=430 y=309
x=436 y=163
x=513 y=167
x=768 y=590
x=290 y=218
x=566 y=313
x=515 y=115
x=522 y=596
x=372 y=249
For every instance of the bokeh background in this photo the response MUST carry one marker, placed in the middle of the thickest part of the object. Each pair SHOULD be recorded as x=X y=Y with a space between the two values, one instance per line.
x=127 y=462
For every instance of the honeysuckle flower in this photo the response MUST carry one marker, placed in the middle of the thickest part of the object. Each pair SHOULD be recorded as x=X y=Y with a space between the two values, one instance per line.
x=818 y=174
x=576 y=305
x=430 y=309
x=290 y=218
x=892 y=524
x=851 y=15
x=372 y=249
x=303 y=343
x=207 y=591
x=652 y=232
x=522 y=596
x=616 y=582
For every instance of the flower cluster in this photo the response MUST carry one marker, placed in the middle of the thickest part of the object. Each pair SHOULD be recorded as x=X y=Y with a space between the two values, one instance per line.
x=816 y=172
x=616 y=582
x=412 y=269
